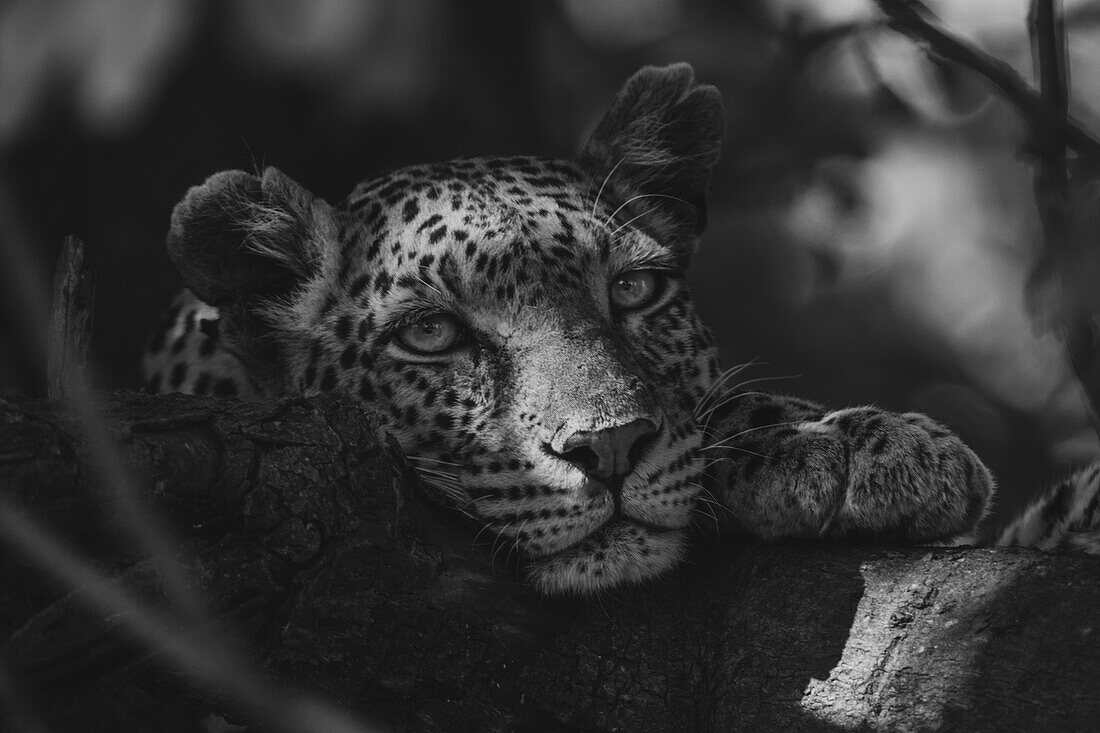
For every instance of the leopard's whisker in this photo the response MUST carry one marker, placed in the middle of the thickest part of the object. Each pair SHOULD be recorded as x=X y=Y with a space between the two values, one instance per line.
x=739 y=385
x=430 y=286
x=726 y=459
x=514 y=549
x=722 y=378
x=446 y=476
x=737 y=448
x=501 y=542
x=439 y=476
x=498 y=537
x=718 y=390
x=721 y=443
x=626 y=223
x=452 y=492
x=705 y=506
x=434 y=460
x=630 y=200
x=723 y=401
x=431 y=469
x=485 y=526
x=606 y=180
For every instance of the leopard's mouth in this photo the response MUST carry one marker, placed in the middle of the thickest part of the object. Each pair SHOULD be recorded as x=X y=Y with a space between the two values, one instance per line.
x=604 y=520
x=621 y=551
x=574 y=532
x=573 y=519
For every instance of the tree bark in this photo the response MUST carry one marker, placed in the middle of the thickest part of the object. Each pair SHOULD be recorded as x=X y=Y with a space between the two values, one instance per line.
x=303 y=530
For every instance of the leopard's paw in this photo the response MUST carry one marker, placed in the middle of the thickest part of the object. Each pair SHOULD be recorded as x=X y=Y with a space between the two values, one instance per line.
x=909 y=477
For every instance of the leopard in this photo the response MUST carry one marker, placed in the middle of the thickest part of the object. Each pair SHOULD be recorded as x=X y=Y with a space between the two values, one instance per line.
x=524 y=328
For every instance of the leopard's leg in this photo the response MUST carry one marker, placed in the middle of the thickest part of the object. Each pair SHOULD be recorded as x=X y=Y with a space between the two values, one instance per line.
x=1067 y=516
x=785 y=467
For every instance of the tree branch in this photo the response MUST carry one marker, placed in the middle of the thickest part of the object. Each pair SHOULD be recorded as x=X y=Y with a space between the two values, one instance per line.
x=915 y=20
x=1061 y=257
x=1055 y=288
x=304 y=533
x=70 y=319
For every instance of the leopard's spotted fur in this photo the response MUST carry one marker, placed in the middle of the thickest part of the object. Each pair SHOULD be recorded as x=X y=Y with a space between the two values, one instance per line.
x=569 y=424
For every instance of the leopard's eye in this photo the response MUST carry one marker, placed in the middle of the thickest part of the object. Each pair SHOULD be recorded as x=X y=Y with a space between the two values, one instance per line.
x=432 y=334
x=633 y=290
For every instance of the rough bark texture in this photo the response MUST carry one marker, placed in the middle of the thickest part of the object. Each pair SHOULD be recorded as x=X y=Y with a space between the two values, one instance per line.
x=305 y=531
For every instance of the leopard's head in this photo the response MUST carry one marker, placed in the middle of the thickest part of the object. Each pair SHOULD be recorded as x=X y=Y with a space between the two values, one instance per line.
x=522 y=325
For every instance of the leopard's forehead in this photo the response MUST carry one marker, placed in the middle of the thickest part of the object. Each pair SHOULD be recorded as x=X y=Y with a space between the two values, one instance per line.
x=522 y=182
x=477 y=207
x=504 y=233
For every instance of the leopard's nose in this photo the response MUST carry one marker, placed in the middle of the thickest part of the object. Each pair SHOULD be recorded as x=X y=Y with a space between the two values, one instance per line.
x=610 y=453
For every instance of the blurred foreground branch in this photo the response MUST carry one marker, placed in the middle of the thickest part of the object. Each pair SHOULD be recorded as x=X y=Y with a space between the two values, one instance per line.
x=319 y=555
x=1062 y=284
x=915 y=20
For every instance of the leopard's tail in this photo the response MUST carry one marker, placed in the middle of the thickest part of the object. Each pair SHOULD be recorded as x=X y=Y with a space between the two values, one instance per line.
x=1066 y=517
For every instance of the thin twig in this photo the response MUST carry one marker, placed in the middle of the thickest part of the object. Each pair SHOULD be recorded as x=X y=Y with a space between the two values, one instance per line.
x=1061 y=255
x=1047 y=30
x=70 y=319
x=1051 y=180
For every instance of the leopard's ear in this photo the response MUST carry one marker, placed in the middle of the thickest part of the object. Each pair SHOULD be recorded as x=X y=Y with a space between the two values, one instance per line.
x=239 y=237
x=658 y=142
x=246 y=244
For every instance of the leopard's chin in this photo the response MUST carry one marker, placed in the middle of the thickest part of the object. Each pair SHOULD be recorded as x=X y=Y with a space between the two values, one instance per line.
x=622 y=552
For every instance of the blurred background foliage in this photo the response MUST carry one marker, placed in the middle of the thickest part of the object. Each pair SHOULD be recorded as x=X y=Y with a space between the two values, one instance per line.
x=872 y=220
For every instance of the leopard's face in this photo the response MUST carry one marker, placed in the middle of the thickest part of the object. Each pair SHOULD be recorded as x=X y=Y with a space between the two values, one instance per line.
x=522 y=325
x=508 y=328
